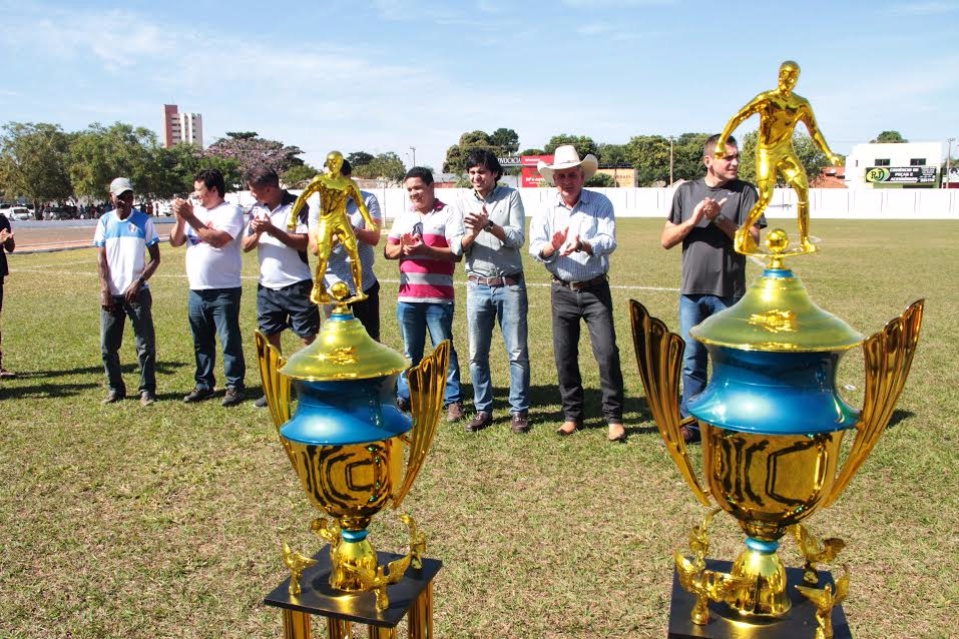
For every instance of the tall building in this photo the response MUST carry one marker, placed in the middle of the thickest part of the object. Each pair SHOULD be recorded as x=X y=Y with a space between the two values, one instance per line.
x=181 y=127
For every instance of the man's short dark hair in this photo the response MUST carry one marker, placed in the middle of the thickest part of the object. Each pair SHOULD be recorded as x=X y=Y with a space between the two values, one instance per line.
x=261 y=176
x=420 y=172
x=211 y=178
x=346 y=169
x=711 y=142
x=486 y=159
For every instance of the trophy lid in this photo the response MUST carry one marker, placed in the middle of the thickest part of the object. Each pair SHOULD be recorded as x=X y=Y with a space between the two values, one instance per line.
x=342 y=351
x=776 y=314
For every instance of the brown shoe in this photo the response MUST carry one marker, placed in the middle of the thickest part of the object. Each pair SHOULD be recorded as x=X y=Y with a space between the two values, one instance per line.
x=617 y=433
x=519 y=423
x=568 y=428
x=454 y=412
x=480 y=420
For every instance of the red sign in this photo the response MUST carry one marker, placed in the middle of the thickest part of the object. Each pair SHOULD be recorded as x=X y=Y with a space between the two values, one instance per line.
x=529 y=176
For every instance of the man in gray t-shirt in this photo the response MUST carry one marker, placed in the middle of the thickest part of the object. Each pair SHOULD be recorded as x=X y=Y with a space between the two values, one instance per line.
x=705 y=216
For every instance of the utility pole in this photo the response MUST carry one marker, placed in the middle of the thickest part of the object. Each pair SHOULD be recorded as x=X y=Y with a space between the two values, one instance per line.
x=671 y=138
x=949 y=160
x=413 y=149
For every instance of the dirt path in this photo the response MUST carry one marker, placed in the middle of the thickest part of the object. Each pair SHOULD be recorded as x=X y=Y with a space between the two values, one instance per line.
x=40 y=237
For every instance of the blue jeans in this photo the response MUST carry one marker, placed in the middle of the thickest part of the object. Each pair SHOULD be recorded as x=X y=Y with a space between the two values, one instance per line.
x=111 y=338
x=693 y=309
x=217 y=312
x=484 y=305
x=414 y=320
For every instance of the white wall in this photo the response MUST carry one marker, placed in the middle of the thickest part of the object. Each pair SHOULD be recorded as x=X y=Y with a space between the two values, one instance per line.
x=864 y=156
x=859 y=204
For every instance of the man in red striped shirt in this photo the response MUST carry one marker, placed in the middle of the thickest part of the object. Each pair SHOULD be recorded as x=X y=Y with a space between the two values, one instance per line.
x=420 y=239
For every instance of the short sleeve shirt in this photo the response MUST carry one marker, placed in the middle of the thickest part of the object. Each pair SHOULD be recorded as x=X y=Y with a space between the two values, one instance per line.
x=711 y=266
x=125 y=242
x=338 y=266
x=424 y=279
x=280 y=265
x=208 y=267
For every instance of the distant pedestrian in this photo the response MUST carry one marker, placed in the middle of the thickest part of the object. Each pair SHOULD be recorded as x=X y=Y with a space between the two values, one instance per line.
x=7 y=245
x=211 y=230
x=121 y=238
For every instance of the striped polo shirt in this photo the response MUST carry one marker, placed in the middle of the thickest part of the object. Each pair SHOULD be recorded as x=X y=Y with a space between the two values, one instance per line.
x=424 y=279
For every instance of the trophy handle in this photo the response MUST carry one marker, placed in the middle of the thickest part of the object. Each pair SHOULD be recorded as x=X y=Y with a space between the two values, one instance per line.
x=427 y=381
x=276 y=387
x=888 y=356
x=659 y=355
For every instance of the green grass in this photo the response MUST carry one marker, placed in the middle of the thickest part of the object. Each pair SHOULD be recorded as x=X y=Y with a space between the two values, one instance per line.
x=125 y=522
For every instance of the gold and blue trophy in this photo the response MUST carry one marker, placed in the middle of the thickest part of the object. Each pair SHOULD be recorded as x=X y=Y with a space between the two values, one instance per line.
x=772 y=424
x=355 y=453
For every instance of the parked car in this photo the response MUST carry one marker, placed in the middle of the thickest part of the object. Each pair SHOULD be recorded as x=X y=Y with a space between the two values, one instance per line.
x=20 y=213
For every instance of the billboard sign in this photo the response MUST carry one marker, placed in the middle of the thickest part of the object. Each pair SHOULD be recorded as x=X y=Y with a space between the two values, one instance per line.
x=901 y=174
x=529 y=176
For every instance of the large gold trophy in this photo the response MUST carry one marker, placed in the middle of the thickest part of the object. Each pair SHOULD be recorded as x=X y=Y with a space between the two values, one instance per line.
x=348 y=443
x=772 y=423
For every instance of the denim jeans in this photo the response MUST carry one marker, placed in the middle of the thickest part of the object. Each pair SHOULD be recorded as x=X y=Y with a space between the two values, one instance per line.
x=508 y=304
x=693 y=309
x=595 y=307
x=414 y=320
x=217 y=312
x=111 y=338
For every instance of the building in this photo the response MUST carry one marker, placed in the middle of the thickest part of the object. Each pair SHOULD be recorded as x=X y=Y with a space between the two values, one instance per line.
x=181 y=127
x=894 y=165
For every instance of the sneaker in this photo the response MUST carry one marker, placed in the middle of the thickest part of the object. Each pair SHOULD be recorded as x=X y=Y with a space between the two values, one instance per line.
x=480 y=420
x=260 y=403
x=113 y=397
x=198 y=395
x=232 y=397
x=5 y=374
x=147 y=398
x=519 y=423
x=403 y=404
x=454 y=412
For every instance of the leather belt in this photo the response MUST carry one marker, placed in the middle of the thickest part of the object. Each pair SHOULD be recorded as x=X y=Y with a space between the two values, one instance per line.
x=494 y=282
x=580 y=286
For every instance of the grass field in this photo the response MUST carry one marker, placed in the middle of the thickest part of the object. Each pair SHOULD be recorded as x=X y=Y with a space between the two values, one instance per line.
x=125 y=522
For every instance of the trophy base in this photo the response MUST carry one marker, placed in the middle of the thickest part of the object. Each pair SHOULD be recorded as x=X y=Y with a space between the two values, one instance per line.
x=412 y=594
x=725 y=623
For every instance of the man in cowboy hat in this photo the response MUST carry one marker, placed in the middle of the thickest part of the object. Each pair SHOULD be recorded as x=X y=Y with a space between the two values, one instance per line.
x=573 y=236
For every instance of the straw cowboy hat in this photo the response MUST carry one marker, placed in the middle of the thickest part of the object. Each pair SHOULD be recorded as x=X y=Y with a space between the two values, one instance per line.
x=566 y=157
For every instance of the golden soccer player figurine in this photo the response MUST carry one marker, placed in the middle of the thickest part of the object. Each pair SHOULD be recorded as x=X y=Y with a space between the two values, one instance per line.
x=333 y=224
x=779 y=111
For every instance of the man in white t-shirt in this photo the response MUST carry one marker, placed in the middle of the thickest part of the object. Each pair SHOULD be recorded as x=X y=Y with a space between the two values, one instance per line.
x=283 y=292
x=211 y=230
x=121 y=238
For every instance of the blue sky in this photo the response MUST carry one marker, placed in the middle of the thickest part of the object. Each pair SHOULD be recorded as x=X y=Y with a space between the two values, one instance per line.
x=385 y=75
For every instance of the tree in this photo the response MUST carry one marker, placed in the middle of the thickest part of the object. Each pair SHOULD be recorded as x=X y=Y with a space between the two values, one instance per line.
x=612 y=154
x=386 y=166
x=506 y=141
x=584 y=145
x=456 y=155
x=297 y=176
x=601 y=180
x=688 y=156
x=649 y=155
x=532 y=152
x=33 y=162
x=99 y=154
x=359 y=158
x=249 y=150
x=894 y=137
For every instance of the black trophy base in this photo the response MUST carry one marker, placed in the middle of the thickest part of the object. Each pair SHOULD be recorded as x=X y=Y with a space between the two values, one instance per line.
x=726 y=623
x=318 y=598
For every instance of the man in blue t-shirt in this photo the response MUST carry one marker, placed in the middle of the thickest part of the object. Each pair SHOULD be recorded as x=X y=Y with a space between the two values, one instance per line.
x=6 y=244
x=705 y=216
x=121 y=237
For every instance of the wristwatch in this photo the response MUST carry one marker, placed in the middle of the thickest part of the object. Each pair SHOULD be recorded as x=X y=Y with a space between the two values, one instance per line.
x=489 y=226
